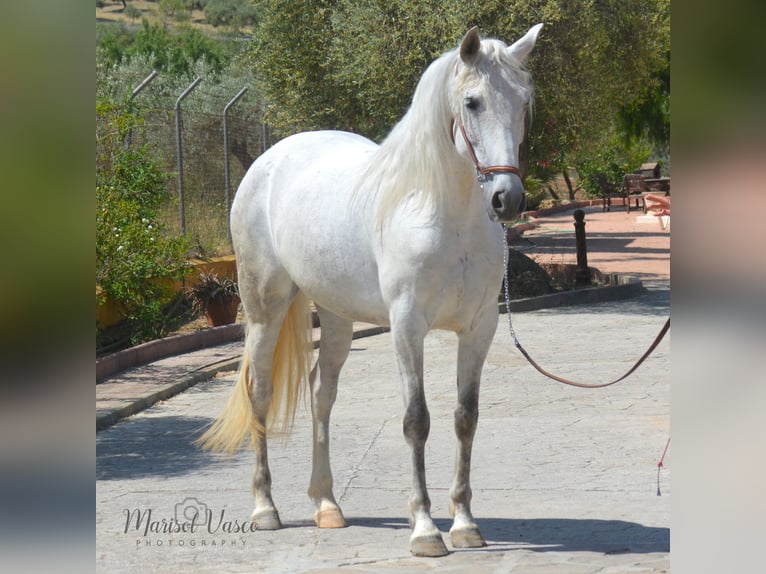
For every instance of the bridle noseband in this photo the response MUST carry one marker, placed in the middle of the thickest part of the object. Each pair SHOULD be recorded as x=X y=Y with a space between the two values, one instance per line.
x=481 y=172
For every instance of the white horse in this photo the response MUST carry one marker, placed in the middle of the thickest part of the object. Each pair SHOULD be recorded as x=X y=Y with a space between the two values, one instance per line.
x=405 y=234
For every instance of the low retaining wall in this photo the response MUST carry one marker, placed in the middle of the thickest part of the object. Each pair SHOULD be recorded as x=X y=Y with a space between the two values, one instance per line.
x=169 y=346
x=108 y=313
x=626 y=288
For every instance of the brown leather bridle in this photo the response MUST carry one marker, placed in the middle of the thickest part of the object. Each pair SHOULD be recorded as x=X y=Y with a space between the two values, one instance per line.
x=481 y=172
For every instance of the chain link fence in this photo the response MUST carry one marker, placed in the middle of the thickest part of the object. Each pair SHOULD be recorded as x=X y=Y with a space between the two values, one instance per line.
x=192 y=129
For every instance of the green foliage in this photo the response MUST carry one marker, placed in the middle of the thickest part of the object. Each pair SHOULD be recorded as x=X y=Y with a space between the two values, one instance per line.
x=209 y=288
x=132 y=12
x=536 y=192
x=135 y=261
x=232 y=13
x=322 y=64
x=614 y=157
x=354 y=65
x=649 y=117
x=289 y=52
x=379 y=51
x=170 y=52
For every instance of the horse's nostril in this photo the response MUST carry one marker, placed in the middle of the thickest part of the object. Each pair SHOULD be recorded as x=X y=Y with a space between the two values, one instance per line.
x=497 y=200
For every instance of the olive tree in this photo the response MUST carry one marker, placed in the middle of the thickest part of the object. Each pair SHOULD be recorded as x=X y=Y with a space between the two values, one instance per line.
x=354 y=65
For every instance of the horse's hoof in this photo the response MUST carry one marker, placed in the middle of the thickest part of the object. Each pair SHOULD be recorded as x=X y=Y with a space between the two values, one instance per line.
x=467 y=538
x=330 y=518
x=266 y=520
x=431 y=546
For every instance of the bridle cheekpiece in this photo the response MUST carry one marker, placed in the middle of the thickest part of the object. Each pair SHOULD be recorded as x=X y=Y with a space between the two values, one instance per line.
x=481 y=172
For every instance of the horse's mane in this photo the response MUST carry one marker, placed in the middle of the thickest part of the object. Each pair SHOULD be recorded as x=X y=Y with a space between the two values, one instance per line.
x=419 y=155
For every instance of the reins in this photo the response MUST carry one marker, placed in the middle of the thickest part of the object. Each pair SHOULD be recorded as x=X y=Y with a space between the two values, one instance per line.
x=532 y=362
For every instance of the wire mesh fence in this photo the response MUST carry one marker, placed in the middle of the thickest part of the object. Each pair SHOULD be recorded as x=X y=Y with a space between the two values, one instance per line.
x=199 y=202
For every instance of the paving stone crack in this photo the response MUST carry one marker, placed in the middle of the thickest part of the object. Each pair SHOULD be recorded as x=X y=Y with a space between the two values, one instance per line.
x=358 y=465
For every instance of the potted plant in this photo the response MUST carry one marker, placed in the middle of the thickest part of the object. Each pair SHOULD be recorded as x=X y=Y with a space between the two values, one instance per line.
x=217 y=297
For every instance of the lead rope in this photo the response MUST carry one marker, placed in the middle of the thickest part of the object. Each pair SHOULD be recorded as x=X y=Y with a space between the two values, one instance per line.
x=506 y=293
x=532 y=362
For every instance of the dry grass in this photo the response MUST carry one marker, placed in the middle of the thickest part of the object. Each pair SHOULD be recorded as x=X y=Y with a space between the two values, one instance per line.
x=113 y=11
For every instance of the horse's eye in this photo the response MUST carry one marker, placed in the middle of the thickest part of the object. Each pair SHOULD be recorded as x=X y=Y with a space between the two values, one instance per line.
x=471 y=103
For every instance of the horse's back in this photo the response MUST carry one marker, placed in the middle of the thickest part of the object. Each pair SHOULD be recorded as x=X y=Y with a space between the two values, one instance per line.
x=292 y=176
x=296 y=210
x=299 y=158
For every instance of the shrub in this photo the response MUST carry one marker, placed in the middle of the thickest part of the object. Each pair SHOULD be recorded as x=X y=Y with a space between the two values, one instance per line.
x=136 y=262
x=614 y=158
x=536 y=192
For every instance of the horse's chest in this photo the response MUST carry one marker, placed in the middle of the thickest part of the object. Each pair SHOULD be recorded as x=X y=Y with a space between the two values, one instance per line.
x=466 y=279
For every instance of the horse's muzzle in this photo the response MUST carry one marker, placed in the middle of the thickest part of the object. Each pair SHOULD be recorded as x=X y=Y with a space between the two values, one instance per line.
x=508 y=201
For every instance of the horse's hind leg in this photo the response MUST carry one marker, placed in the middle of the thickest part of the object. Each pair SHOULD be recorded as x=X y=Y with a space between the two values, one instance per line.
x=262 y=338
x=472 y=351
x=333 y=349
x=265 y=314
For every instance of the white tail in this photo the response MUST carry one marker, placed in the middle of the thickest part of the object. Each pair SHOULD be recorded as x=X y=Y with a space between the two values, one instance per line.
x=289 y=373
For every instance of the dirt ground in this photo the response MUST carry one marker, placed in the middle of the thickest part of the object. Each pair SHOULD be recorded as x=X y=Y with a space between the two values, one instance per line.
x=113 y=11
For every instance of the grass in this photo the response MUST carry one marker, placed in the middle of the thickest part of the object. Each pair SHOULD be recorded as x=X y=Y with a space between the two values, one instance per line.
x=207 y=226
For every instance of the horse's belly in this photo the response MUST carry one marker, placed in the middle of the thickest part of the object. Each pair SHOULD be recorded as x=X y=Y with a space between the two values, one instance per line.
x=341 y=280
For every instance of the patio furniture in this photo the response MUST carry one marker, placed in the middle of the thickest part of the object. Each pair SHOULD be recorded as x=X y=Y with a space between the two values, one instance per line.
x=649 y=170
x=608 y=190
x=634 y=189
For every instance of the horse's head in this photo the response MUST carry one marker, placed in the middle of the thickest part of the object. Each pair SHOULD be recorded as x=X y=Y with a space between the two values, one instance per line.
x=492 y=96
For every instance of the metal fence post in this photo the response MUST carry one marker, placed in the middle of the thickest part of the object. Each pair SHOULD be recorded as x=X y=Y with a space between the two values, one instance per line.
x=179 y=153
x=226 y=153
x=142 y=85
x=136 y=91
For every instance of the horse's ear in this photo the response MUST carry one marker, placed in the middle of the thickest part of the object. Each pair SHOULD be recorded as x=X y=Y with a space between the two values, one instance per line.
x=470 y=46
x=521 y=48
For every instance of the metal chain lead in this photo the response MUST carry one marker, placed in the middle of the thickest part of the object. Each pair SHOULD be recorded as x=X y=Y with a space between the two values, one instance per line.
x=506 y=288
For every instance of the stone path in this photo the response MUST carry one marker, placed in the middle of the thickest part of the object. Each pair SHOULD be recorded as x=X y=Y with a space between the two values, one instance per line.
x=564 y=479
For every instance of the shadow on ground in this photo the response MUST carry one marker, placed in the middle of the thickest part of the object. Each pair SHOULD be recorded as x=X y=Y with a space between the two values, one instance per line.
x=655 y=301
x=551 y=534
x=152 y=446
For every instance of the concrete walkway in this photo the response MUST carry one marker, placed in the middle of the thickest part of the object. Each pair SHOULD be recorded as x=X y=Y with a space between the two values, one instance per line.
x=564 y=480
x=618 y=242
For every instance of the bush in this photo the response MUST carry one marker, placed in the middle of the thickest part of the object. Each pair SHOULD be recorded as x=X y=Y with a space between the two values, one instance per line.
x=136 y=262
x=614 y=158
x=536 y=192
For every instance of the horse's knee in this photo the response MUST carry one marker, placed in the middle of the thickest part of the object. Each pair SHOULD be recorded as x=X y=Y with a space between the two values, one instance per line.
x=416 y=423
x=466 y=418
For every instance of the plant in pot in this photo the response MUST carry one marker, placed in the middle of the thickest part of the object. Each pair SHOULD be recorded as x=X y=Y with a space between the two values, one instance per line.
x=217 y=297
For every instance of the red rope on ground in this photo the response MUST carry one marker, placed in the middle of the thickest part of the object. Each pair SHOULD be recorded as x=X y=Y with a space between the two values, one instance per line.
x=660 y=466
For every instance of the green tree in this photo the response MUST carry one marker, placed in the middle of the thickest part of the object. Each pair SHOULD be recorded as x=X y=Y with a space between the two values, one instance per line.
x=290 y=48
x=649 y=117
x=349 y=64
x=174 y=52
x=232 y=13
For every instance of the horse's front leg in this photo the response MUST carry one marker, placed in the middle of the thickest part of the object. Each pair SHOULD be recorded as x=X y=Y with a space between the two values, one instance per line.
x=472 y=351
x=408 y=334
